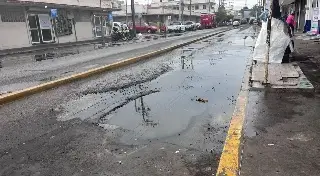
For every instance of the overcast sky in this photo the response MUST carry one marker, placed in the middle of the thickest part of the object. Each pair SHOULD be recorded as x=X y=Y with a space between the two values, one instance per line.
x=238 y=3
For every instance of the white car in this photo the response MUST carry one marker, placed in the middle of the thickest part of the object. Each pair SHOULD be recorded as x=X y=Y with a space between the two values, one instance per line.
x=235 y=23
x=176 y=27
x=190 y=25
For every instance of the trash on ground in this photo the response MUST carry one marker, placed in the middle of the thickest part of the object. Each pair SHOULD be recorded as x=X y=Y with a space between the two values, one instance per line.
x=201 y=100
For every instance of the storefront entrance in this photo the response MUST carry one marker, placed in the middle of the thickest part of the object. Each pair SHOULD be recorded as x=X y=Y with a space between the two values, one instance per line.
x=40 y=28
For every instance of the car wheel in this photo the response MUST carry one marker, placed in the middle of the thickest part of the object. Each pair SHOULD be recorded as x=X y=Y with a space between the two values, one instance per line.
x=149 y=31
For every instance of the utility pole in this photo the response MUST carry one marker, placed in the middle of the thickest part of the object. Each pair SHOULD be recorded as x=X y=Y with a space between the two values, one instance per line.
x=209 y=6
x=101 y=26
x=133 y=18
x=180 y=10
x=127 y=12
x=190 y=10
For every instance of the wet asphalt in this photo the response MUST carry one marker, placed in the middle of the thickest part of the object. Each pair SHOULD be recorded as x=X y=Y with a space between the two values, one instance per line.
x=165 y=116
x=20 y=71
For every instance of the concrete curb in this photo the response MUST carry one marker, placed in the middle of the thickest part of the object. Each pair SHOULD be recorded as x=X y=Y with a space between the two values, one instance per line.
x=49 y=85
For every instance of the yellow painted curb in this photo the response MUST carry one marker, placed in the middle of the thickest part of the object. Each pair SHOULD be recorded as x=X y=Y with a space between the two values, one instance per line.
x=49 y=85
x=230 y=157
x=229 y=164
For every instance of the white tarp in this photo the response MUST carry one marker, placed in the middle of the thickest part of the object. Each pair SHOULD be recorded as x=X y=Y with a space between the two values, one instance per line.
x=278 y=42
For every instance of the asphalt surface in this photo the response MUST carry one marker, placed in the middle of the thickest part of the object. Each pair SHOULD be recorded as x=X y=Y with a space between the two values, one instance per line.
x=165 y=116
x=22 y=71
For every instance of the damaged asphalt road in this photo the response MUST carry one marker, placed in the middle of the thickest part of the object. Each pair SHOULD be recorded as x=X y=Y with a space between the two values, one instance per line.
x=165 y=116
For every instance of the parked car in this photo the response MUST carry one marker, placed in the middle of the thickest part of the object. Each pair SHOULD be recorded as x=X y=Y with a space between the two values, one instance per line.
x=144 y=28
x=163 y=27
x=235 y=23
x=176 y=27
x=190 y=26
x=198 y=25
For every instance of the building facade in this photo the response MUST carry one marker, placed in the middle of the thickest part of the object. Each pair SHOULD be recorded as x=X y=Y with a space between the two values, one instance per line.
x=166 y=11
x=307 y=13
x=26 y=23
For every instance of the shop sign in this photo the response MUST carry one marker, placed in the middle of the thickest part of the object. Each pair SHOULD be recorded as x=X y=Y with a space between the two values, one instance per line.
x=54 y=13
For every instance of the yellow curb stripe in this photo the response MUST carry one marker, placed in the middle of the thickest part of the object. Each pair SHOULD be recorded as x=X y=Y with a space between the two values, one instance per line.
x=229 y=160
x=49 y=85
x=229 y=164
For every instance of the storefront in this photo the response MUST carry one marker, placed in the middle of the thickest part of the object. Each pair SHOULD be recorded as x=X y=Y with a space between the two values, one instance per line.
x=40 y=28
x=27 y=24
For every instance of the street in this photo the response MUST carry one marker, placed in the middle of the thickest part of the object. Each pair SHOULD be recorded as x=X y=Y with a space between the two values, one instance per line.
x=26 y=70
x=165 y=116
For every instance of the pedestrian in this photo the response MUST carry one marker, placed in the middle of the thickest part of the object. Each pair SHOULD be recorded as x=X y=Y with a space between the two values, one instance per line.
x=291 y=22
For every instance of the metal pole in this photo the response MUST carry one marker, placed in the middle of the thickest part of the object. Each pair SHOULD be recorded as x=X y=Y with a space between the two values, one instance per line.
x=266 y=69
x=298 y=27
x=190 y=10
x=133 y=15
x=101 y=26
x=209 y=6
x=180 y=10
x=126 y=12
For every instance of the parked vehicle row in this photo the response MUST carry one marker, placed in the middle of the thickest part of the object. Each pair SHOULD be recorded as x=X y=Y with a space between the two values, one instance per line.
x=176 y=26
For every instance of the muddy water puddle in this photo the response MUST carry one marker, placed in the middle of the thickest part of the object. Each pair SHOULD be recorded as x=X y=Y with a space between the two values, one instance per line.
x=191 y=103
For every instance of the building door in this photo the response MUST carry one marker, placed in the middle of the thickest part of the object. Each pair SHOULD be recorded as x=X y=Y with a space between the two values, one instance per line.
x=97 y=25
x=40 y=28
x=45 y=27
x=34 y=28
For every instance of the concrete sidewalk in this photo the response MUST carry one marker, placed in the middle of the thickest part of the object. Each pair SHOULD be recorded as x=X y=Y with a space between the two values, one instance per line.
x=282 y=128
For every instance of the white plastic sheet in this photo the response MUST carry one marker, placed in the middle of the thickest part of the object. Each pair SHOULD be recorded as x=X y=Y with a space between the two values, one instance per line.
x=278 y=42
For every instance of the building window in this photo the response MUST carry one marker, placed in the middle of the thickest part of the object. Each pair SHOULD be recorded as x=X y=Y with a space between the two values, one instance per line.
x=204 y=7
x=197 y=7
x=175 y=8
x=189 y=7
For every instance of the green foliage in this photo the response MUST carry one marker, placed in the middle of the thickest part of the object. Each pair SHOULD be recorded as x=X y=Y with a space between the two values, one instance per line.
x=255 y=9
x=221 y=15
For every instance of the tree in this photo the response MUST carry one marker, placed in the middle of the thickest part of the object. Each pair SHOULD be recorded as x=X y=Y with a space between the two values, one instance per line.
x=229 y=17
x=221 y=15
x=256 y=10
